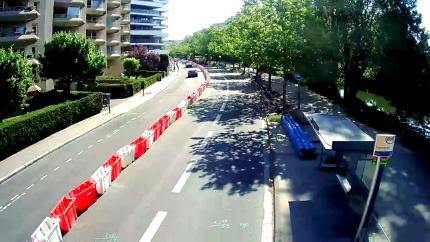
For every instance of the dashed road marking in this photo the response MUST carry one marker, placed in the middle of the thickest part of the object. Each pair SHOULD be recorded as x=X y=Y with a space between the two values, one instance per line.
x=122 y=126
x=218 y=117
x=90 y=146
x=29 y=187
x=22 y=194
x=223 y=107
x=43 y=177
x=133 y=119
x=70 y=159
x=56 y=168
x=181 y=182
x=153 y=227
x=80 y=152
x=205 y=140
x=16 y=196
x=100 y=140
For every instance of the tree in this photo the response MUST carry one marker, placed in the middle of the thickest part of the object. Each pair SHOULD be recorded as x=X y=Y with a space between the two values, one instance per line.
x=70 y=57
x=131 y=66
x=149 y=60
x=15 y=78
x=164 y=63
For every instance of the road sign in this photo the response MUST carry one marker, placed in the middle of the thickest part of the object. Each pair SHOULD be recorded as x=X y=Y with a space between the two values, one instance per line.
x=297 y=77
x=384 y=145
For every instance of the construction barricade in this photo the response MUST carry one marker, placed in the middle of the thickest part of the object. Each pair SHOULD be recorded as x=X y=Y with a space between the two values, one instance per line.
x=178 y=113
x=165 y=122
x=65 y=211
x=114 y=162
x=85 y=195
x=102 y=178
x=149 y=136
x=140 y=146
x=172 y=116
x=48 y=231
x=127 y=155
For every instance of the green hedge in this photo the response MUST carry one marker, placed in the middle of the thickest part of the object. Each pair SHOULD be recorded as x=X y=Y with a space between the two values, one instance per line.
x=123 y=87
x=19 y=132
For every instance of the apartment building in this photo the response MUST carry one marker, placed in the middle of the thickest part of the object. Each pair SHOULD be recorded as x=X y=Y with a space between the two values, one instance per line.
x=147 y=24
x=28 y=24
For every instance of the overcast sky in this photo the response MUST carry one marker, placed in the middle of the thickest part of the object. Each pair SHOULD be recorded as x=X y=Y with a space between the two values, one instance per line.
x=189 y=16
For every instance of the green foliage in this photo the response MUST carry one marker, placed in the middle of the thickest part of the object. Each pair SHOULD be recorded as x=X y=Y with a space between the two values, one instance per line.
x=122 y=87
x=15 y=78
x=380 y=102
x=18 y=132
x=164 y=63
x=70 y=57
x=131 y=66
x=274 y=118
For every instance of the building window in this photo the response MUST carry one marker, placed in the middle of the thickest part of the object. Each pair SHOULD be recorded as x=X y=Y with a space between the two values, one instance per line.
x=73 y=12
x=35 y=29
x=33 y=50
x=36 y=6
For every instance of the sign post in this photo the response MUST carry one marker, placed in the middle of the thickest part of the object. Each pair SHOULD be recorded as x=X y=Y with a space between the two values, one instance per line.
x=383 y=150
x=298 y=79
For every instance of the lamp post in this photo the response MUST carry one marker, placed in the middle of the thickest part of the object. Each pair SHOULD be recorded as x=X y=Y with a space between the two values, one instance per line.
x=298 y=79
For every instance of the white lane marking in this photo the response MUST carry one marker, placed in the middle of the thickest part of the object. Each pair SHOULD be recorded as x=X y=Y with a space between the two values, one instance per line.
x=70 y=159
x=153 y=227
x=223 y=107
x=133 y=119
x=43 y=177
x=29 y=187
x=14 y=197
x=122 y=126
x=108 y=136
x=56 y=168
x=267 y=228
x=80 y=152
x=90 y=146
x=22 y=194
x=218 y=117
x=205 y=140
x=128 y=122
x=181 y=182
x=100 y=140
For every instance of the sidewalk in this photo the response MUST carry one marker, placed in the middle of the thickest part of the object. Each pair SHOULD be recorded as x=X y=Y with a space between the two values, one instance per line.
x=28 y=156
x=403 y=202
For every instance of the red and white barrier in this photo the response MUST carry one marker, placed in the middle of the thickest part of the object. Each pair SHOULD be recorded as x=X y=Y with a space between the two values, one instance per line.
x=85 y=195
x=102 y=178
x=48 y=231
x=127 y=155
x=149 y=135
x=172 y=116
x=65 y=211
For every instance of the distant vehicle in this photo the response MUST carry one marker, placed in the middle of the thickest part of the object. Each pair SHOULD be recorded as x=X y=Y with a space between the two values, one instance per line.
x=188 y=65
x=192 y=73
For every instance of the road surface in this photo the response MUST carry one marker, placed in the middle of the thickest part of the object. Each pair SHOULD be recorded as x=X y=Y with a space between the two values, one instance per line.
x=203 y=180
x=28 y=197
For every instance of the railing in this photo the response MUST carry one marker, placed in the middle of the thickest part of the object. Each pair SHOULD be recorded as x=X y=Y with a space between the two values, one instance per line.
x=13 y=8
x=136 y=20
x=94 y=21
x=123 y=28
x=136 y=10
x=112 y=52
x=96 y=4
x=66 y=16
x=13 y=34
x=113 y=24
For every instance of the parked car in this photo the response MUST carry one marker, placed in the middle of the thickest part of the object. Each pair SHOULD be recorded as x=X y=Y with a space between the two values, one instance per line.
x=188 y=65
x=192 y=73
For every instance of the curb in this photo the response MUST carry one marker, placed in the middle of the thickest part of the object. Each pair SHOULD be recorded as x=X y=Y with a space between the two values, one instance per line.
x=31 y=162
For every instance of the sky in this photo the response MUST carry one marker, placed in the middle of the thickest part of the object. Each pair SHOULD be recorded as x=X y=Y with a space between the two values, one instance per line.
x=188 y=16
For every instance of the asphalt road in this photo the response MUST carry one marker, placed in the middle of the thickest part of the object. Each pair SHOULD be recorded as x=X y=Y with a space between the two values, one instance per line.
x=203 y=180
x=27 y=198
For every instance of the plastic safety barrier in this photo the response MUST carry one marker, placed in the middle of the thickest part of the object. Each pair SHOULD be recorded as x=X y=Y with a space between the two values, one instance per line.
x=299 y=139
x=178 y=113
x=102 y=178
x=85 y=195
x=140 y=146
x=165 y=121
x=127 y=155
x=190 y=100
x=149 y=136
x=172 y=116
x=65 y=210
x=48 y=231
x=114 y=162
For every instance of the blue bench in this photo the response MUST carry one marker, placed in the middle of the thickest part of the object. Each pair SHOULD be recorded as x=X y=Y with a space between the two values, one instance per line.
x=299 y=138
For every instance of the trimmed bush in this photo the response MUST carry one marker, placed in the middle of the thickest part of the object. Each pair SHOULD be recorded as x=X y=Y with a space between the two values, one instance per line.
x=21 y=131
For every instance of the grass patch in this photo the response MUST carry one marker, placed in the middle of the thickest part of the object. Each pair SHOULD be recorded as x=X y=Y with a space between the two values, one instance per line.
x=380 y=102
x=274 y=118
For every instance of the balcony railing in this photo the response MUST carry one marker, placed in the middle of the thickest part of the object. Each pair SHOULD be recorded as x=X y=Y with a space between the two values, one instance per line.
x=112 y=52
x=66 y=16
x=16 y=33
x=94 y=21
x=95 y=4
x=136 y=20
x=113 y=24
x=136 y=10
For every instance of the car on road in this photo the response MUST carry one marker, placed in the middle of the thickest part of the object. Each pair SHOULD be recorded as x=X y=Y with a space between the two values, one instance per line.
x=189 y=65
x=192 y=73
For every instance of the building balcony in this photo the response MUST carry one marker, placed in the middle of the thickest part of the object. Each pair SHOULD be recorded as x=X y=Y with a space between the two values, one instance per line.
x=157 y=33
x=125 y=1
x=64 y=20
x=113 y=42
x=69 y=3
x=125 y=44
x=17 y=39
x=160 y=26
x=96 y=9
x=145 y=12
x=160 y=17
x=113 y=4
x=17 y=14
x=95 y=26
x=113 y=54
x=125 y=31
x=113 y=28
x=125 y=21
x=126 y=9
x=148 y=3
x=97 y=40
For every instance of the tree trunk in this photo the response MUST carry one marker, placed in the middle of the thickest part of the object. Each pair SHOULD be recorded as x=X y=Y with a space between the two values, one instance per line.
x=270 y=81
x=233 y=65
x=284 y=92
